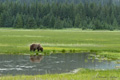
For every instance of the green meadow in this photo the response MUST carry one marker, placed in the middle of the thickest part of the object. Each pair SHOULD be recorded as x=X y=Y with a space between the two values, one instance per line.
x=17 y=41
x=103 y=43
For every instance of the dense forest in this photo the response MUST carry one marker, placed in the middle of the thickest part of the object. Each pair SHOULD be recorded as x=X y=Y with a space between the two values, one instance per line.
x=54 y=15
x=68 y=1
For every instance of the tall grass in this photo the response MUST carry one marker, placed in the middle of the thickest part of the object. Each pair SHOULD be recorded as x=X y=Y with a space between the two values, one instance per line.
x=83 y=74
x=14 y=41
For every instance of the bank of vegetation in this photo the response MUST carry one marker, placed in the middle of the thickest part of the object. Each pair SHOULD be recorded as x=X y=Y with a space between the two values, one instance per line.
x=83 y=74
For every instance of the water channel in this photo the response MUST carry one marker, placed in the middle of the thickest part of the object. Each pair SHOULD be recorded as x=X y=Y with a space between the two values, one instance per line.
x=51 y=64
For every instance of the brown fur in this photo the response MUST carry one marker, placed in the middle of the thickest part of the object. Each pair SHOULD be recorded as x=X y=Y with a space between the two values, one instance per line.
x=33 y=47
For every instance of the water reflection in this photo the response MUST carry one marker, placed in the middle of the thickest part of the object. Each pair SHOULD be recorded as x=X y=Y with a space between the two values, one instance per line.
x=36 y=58
x=50 y=64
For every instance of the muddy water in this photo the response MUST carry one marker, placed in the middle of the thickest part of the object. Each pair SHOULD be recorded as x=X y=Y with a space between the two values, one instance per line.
x=55 y=63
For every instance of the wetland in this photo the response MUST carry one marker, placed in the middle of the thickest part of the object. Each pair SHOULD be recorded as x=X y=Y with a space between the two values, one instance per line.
x=52 y=64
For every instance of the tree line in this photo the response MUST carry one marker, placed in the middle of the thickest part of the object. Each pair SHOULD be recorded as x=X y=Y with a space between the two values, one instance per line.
x=59 y=15
x=117 y=2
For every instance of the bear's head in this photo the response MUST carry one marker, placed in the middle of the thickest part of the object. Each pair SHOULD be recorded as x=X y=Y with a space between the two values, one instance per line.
x=41 y=49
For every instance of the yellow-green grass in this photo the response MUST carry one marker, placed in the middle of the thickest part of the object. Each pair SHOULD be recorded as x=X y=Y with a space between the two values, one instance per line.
x=83 y=74
x=18 y=40
x=15 y=41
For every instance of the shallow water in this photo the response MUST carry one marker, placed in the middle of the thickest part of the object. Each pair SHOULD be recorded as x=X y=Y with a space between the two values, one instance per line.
x=55 y=63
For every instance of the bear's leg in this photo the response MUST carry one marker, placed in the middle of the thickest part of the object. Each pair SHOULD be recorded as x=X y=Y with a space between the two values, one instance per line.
x=33 y=49
x=38 y=49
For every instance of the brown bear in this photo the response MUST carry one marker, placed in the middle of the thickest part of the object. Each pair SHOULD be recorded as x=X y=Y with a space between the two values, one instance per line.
x=33 y=47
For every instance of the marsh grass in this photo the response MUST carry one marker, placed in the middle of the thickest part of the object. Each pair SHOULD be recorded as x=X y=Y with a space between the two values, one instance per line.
x=118 y=62
x=83 y=74
x=110 y=55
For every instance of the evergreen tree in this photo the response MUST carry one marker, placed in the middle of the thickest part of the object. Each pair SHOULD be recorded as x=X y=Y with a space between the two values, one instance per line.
x=77 y=20
x=84 y=25
x=115 y=24
x=52 y=22
x=38 y=21
x=7 y=19
x=67 y=23
x=58 y=23
x=18 y=23
x=97 y=24
x=31 y=23
x=118 y=19
x=1 y=22
x=46 y=20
